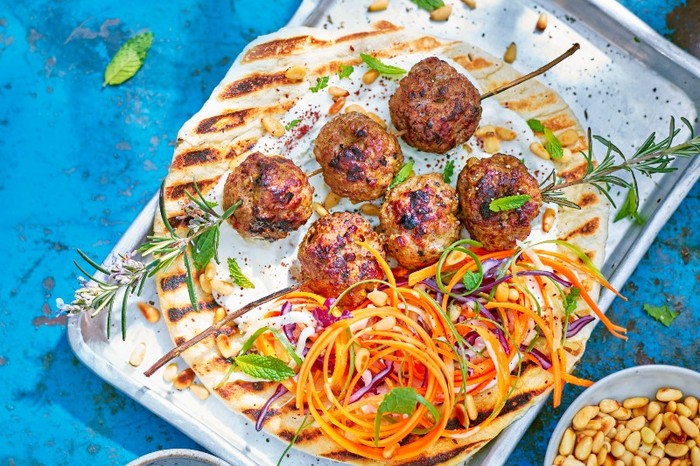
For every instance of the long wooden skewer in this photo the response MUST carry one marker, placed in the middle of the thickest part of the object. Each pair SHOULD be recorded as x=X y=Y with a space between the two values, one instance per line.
x=537 y=72
x=179 y=349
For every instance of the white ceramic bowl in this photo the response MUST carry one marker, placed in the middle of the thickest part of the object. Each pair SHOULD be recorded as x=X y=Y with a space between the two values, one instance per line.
x=635 y=381
x=178 y=457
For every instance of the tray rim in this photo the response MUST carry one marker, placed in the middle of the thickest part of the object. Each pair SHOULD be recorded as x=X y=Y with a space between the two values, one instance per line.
x=507 y=440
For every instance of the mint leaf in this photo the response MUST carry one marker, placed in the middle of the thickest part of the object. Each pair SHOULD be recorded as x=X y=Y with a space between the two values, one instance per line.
x=472 y=280
x=570 y=300
x=448 y=171
x=264 y=367
x=663 y=314
x=204 y=247
x=345 y=71
x=402 y=175
x=552 y=145
x=401 y=400
x=429 y=5
x=536 y=125
x=128 y=59
x=321 y=83
x=629 y=209
x=383 y=68
x=503 y=204
x=237 y=274
x=291 y=124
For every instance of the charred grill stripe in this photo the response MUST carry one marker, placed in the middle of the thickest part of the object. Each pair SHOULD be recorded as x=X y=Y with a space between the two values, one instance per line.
x=587 y=229
x=254 y=83
x=280 y=48
x=178 y=191
x=195 y=157
x=444 y=456
x=343 y=455
x=224 y=122
x=173 y=282
x=177 y=313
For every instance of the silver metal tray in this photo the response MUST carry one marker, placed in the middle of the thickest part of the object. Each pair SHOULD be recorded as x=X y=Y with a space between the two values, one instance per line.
x=625 y=82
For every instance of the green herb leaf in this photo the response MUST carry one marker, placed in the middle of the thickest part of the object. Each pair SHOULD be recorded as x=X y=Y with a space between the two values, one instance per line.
x=401 y=400
x=552 y=145
x=402 y=175
x=383 y=68
x=448 y=171
x=503 y=204
x=345 y=71
x=629 y=209
x=321 y=83
x=128 y=59
x=291 y=124
x=570 y=300
x=536 y=125
x=472 y=281
x=264 y=367
x=663 y=314
x=429 y=5
x=204 y=247
x=237 y=274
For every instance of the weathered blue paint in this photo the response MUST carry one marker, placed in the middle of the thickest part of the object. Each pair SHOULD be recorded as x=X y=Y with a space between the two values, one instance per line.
x=79 y=162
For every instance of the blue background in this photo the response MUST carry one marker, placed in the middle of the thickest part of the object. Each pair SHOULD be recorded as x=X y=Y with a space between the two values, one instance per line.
x=80 y=162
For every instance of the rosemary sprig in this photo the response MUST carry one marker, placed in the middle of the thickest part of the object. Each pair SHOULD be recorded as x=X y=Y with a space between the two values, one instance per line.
x=126 y=275
x=650 y=158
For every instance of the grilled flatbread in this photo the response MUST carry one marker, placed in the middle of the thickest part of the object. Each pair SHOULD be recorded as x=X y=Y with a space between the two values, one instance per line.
x=229 y=127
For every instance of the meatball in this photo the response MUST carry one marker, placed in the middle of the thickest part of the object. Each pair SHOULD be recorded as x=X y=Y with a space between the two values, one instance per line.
x=275 y=194
x=358 y=157
x=438 y=107
x=418 y=220
x=332 y=261
x=482 y=181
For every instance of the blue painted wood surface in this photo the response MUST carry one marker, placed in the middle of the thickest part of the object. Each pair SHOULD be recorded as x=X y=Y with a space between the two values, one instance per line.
x=79 y=163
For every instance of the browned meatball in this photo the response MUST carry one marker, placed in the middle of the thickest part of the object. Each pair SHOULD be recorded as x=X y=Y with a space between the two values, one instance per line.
x=418 y=220
x=482 y=181
x=359 y=158
x=438 y=107
x=332 y=261
x=276 y=197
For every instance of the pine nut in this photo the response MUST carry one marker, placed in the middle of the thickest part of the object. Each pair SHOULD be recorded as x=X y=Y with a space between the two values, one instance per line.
x=622 y=434
x=692 y=403
x=584 y=415
x=199 y=391
x=336 y=92
x=695 y=456
x=663 y=434
x=221 y=287
x=597 y=444
x=668 y=394
x=602 y=456
x=486 y=130
x=223 y=343
x=320 y=210
x=568 y=137
x=370 y=76
x=664 y=462
x=510 y=54
x=688 y=427
x=370 y=209
x=205 y=284
x=502 y=296
x=355 y=108
x=273 y=126
x=492 y=144
x=633 y=441
x=210 y=270
x=594 y=425
x=627 y=458
x=671 y=406
x=683 y=410
x=676 y=450
x=387 y=323
x=636 y=402
x=377 y=119
x=184 y=379
x=336 y=106
x=671 y=422
x=150 y=313
x=657 y=452
x=472 y=410
x=542 y=22
x=170 y=372
x=455 y=257
x=571 y=461
x=513 y=295
x=638 y=461
x=390 y=451
x=652 y=461
x=656 y=423
x=583 y=448
x=648 y=435
x=332 y=200
x=617 y=449
x=441 y=14
x=219 y=314
x=607 y=423
x=607 y=405
x=137 y=354
x=548 y=219
x=636 y=423
x=461 y=414
x=565 y=155
x=470 y=3
x=295 y=73
x=505 y=134
x=621 y=414
x=378 y=298
x=378 y=5
x=653 y=408
x=539 y=150
x=361 y=359
x=568 y=440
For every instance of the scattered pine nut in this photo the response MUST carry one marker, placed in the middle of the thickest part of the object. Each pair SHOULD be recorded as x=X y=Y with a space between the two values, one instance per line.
x=320 y=210
x=378 y=5
x=491 y=144
x=337 y=105
x=199 y=391
x=170 y=372
x=470 y=3
x=337 y=92
x=355 y=108
x=378 y=298
x=505 y=134
x=219 y=314
x=461 y=414
x=137 y=354
x=295 y=73
x=273 y=126
x=149 y=312
x=370 y=76
x=205 y=284
x=332 y=200
x=184 y=379
x=548 y=219
x=511 y=53
x=223 y=344
x=441 y=14
x=221 y=287
x=370 y=209
x=568 y=137
x=376 y=118
x=542 y=21
x=539 y=150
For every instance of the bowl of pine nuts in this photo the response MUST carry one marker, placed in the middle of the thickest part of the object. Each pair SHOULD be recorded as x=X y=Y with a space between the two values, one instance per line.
x=641 y=416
